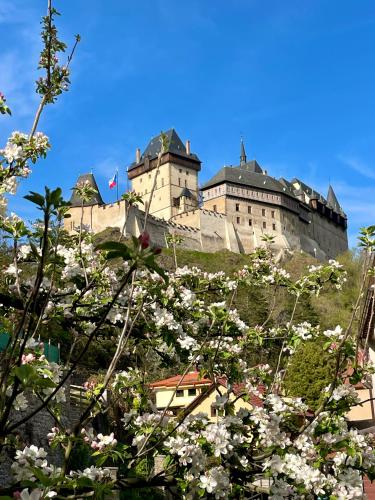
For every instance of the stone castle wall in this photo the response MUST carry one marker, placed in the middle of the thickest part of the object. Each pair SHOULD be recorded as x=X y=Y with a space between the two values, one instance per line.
x=211 y=231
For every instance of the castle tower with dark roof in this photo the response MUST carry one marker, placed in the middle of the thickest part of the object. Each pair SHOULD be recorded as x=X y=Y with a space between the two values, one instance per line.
x=176 y=185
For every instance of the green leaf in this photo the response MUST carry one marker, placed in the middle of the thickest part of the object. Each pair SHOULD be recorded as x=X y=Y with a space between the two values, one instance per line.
x=24 y=373
x=55 y=197
x=115 y=249
x=153 y=266
x=35 y=198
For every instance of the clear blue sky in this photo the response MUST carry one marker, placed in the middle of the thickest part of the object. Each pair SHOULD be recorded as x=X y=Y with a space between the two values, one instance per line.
x=295 y=78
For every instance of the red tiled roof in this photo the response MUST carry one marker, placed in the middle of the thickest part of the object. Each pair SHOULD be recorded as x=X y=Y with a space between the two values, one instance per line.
x=191 y=378
x=239 y=388
x=369 y=489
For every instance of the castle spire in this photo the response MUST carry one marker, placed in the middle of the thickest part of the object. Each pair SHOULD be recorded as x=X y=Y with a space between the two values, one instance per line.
x=332 y=200
x=243 y=158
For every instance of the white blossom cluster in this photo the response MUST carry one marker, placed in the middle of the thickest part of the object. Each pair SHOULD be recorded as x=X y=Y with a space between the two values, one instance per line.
x=29 y=458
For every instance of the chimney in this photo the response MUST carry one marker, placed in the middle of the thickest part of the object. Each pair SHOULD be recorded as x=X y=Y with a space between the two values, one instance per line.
x=138 y=155
x=187 y=146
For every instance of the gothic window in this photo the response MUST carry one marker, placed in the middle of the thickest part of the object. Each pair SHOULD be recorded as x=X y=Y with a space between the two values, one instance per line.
x=273 y=214
x=238 y=220
x=263 y=212
x=249 y=209
x=250 y=222
x=179 y=181
x=237 y=207
x=264 y=225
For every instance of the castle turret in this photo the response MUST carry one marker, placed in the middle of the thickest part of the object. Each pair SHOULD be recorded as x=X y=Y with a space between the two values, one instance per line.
x=332 y=201
x=96 y=199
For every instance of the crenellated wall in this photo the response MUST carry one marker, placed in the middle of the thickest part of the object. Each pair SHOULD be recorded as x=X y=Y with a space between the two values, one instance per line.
x=211 y=231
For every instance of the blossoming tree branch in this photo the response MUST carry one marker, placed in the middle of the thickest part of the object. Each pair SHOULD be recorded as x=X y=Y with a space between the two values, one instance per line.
x=118 y=291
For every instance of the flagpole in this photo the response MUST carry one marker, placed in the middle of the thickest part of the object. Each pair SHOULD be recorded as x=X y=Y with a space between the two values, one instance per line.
x=117 y=182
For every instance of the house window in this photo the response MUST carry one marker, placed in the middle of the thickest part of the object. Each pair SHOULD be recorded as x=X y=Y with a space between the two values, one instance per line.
x=274 y=227
x=250 y=222
x=179 y=393
x=249 y=209
x=263 y=212
x=238 y=220
x=264 y=225
x=215 y=412
x=179 y=181
x=192 y=392
x=237 y=207
x=215 y=208
x=273 y=214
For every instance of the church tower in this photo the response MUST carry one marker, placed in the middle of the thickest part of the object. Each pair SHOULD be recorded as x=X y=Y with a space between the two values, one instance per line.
x=176 y=190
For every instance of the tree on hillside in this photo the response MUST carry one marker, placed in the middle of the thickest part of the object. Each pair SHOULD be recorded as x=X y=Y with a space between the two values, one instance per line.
x=309 y=372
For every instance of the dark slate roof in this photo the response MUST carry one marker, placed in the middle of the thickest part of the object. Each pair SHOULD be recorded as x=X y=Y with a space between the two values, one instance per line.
x=307 y=189
x=332 y=201
x=173 y=145
x=97 y=199
x=241 y=175
x=289 y=188
x=251 y=166
x=187 y=193
x=310 y=191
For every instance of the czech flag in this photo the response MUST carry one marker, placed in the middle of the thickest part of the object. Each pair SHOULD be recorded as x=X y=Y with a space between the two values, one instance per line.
x=113 y=182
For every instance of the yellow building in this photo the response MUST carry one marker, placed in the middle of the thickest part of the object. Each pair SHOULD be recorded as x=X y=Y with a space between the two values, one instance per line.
x=192 y=394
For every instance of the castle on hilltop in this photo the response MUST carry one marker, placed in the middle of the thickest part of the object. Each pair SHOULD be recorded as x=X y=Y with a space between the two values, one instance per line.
x=234 y=210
